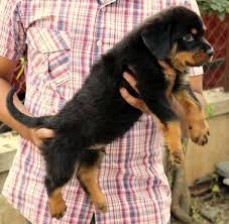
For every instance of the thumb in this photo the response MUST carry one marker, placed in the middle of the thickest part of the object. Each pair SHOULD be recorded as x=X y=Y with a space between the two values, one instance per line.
x=45 y=133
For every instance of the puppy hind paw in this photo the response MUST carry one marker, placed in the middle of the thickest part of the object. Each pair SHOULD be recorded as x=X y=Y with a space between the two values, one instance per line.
x=57 y=210
x=101 y=207
x=176 y=157
x=100 y=203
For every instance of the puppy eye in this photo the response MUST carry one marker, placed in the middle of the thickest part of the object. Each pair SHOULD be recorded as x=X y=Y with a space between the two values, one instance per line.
x=188 y=37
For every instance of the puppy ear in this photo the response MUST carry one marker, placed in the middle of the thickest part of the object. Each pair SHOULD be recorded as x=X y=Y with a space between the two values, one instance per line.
x=156 y=38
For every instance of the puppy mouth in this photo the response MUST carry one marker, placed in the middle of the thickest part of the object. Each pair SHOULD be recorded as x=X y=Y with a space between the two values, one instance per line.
x=182 y=60
x=200 y=58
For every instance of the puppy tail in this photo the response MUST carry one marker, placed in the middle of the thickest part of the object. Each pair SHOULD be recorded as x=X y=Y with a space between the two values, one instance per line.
x=28 y=121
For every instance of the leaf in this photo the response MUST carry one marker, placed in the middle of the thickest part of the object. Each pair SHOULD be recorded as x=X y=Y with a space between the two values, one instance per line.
x=211 y=13
x=227 y=9
x=215 y=188
x=222 y=16
x=221 y=7
x=204 y=8
x=214 y=7
x=210 y=111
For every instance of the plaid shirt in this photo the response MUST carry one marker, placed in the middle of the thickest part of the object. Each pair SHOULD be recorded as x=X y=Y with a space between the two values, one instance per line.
x=61 y=40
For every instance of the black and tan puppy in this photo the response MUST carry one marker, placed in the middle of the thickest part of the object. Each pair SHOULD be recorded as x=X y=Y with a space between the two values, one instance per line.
x=97 y=114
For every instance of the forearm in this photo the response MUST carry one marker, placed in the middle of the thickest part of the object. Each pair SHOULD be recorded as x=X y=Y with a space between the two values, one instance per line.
x=197 y=87
x=4 y=114
x=201 y=99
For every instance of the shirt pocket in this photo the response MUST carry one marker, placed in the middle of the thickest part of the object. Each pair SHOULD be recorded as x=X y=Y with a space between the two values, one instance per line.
x=49 y=55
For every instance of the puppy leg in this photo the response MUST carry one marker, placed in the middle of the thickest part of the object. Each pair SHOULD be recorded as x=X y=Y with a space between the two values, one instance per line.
x=60 y=168
x=87 y=175
x=172 y=136
x=57 y=206
x=194 y=113
x=170 y=126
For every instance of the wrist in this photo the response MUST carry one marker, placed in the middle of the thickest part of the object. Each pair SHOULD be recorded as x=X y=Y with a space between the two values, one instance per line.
x=27 y=133
x=201 y=99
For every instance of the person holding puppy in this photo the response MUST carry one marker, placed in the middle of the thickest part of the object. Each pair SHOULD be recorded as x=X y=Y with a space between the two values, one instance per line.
x=61 y=40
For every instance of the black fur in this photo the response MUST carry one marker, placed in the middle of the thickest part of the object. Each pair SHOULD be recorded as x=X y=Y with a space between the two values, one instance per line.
x=97 y=114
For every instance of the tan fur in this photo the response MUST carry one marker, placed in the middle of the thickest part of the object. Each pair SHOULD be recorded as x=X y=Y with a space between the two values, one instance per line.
x=198 y=127
x=180 y=60
x=88 y=178
x=194 y=31
x=200 y=57
x=172 y=135
x=57 y=206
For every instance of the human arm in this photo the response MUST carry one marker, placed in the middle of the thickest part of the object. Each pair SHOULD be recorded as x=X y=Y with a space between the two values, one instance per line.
x=195 y=83
x=36 y=136
x=12 y=47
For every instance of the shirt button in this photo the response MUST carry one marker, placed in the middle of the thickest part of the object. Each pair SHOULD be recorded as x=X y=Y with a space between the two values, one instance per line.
x=99 y=43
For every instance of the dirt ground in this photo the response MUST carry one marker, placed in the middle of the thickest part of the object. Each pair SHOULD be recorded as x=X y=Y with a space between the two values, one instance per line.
x=219 y=206
x=8 y=215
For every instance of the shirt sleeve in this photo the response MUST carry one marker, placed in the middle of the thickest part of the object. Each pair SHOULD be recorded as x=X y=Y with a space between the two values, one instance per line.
x=195 y=71
x=12 y=44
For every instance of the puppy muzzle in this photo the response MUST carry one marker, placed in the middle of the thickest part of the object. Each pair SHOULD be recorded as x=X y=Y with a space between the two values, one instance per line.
x=207 y=48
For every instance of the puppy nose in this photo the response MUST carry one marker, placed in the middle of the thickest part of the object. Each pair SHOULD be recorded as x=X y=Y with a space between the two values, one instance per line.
x=210 y=51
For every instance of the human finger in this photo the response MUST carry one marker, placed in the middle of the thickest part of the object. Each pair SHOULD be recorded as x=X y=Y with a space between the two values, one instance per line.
x=133 y=101
x=169 y=71
x=131 y=80
x=44 y=133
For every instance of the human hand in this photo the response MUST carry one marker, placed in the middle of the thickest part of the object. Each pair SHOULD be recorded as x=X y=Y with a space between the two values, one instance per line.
x=140 y=104
x=171 y=75
x=133 y=101
x=37 y=136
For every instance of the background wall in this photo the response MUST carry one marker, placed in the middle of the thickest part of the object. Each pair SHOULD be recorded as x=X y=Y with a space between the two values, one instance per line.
x=201 y=160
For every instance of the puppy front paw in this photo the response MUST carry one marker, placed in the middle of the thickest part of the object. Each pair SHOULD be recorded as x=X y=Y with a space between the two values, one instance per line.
x=199 y=132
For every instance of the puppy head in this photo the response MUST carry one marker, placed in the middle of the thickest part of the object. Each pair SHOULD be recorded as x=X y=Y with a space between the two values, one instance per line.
x=177 y=35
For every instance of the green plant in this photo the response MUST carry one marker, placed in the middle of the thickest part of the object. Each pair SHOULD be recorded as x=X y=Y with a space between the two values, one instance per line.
x=209 y=7
x=210 y=112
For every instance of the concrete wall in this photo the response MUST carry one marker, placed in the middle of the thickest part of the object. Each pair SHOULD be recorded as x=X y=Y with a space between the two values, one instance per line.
x=8 y=146
x=201 y=161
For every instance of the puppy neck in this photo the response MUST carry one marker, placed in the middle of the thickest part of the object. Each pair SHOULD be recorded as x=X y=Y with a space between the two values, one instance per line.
x=178 y=67
x=176 y=62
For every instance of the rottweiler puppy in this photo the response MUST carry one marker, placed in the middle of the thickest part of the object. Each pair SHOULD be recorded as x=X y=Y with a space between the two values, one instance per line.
x=97 y=114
